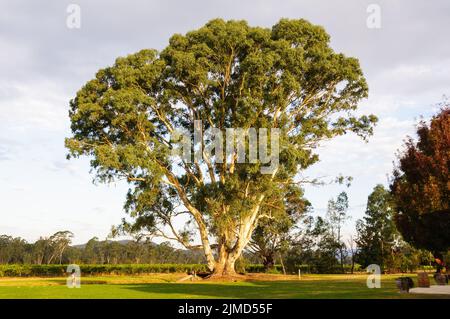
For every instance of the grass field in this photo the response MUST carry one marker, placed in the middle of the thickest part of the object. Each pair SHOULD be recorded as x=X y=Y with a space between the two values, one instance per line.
x=166 y=286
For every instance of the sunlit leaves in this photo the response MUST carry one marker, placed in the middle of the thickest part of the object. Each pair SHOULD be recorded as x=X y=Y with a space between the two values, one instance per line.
x=229 y=75
x=421 y=186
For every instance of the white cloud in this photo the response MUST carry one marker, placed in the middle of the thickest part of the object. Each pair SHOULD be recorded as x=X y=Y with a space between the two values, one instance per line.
x=42 y=64
x=65 y=166
x=37 y=105
x=368 y=163
x=350 y=155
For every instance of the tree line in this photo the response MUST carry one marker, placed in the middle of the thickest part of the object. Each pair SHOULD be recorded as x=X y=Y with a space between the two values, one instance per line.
x=302 y=241
x=376 y=239
x=56 y=249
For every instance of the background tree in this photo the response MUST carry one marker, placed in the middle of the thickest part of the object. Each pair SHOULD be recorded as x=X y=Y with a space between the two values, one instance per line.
x=351 y=245
x=313 y=249
x=327 y=247
x=49 y=250
x=13 y=250
x=40 y=250
x=229 y=75
x=272 y=235
x=337 y=215
x=315 y=246
x=58 y=243
x=377 y=236
x=92 y=252
x=421 y=186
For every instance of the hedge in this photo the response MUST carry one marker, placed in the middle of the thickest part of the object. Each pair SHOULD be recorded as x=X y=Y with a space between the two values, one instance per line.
x=304 y=269
x=258 y=268
x=17 y=270
x=60 y=270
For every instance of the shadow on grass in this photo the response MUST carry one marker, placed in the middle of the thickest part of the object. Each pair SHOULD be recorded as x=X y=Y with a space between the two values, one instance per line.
x=284 y=289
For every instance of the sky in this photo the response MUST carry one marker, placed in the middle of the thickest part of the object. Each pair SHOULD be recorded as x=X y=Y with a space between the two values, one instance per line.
x=43 y=63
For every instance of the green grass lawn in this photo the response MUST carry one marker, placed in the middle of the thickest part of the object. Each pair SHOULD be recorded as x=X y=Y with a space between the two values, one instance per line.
x=166 y=286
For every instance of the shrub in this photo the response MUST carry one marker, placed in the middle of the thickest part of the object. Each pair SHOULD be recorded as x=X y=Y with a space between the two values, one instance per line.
x=60 y=270
x=16 y=270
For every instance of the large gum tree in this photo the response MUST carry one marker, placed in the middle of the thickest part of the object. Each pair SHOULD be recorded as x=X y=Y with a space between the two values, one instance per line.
x=228 y=75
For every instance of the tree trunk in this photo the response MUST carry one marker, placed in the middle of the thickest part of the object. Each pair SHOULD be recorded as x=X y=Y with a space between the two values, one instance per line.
x=341 y=252
x=282 y=264
x=228 y=250
x=268 y=262
x=353 y=263
x=224 y=266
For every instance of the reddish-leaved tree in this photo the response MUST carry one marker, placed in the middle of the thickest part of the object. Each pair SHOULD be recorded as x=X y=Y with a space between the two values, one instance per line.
x=421 y=186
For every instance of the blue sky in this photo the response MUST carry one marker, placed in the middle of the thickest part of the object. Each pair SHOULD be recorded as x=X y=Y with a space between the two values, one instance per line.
x=43 y=63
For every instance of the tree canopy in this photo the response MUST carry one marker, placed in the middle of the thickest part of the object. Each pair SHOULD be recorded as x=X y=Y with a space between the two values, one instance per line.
x=226 y=74
x=377 y=235
x=337 y=216
x=421 y=186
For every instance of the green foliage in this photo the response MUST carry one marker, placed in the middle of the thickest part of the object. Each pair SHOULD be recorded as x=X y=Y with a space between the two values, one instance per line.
x=318 y=243
x=91 y=270
x=133 y=269
x=304 y=269
x=315 y=246
x=260 y=268
x=13 y=250
x=273 y=234
x=44 y=250
x=230 y=75
x=242 y=265
x=336 y=217
x=377 y=238
x=95 y=251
